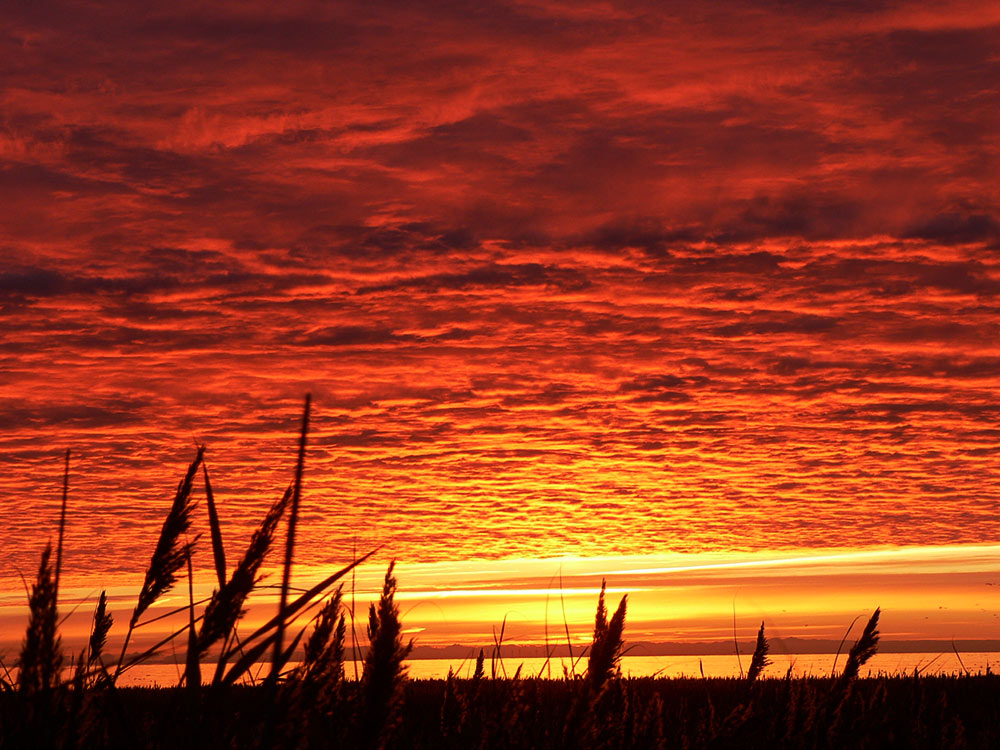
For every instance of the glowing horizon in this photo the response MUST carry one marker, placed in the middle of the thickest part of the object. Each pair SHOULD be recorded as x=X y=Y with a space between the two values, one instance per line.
x=795 y=595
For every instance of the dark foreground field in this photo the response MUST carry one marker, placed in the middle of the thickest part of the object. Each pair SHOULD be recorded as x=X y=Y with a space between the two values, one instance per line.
x=923 y=712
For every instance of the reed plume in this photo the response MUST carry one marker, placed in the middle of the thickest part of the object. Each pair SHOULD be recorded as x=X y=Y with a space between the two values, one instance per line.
x=323 y=656
x=480 y=667
x=607 y=646
x=863 y=649
x=41 y=651
x=226 y=605
x=101 y=627
x=381 y=681
x=170 y=553
x=760 y=659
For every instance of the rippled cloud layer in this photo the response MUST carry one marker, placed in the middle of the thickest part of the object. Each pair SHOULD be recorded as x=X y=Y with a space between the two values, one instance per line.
x=586 y=278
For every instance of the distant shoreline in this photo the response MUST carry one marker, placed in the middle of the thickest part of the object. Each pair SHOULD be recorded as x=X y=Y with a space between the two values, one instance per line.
x=712 y=648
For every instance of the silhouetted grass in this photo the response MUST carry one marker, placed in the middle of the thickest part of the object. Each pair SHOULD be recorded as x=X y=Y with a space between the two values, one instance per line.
x=760 y=659
x=314 y=706
x=608 y=642
x=41 y=653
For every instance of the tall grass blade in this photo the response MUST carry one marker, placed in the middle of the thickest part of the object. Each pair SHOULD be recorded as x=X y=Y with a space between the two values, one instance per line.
x=225 y=607
x=192 y=672
x=569 y=640
x=303 y=599
x=959 y=657
x=62 y=522
x=840 y=647
x=151 y=650
x=250 y=656
x=265 y=636
x=354 y=628
x=497 y=657
x=290 y=544
x=218 y=551
x=736 y=642
x=323 y=657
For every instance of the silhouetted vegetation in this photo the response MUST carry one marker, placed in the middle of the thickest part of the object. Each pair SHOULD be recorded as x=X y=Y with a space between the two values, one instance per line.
x=313 y=705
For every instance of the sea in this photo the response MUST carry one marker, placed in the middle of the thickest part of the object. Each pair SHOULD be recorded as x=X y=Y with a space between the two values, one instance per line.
x=709 y=665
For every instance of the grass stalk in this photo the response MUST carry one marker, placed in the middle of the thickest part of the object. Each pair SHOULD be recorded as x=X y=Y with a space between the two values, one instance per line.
x=62 y=523
x=736 y=642
x=225 y=608
x=760 y=660
x=218 y=550
x=169 y=556
x=41 y=651
x=608 y=643
x=290 y=545
x=864 y=648
x=840 y=648
x=192 y=671
x=569 y=640
x=381 y=681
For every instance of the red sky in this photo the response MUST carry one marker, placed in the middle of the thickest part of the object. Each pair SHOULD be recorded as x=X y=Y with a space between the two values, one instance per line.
x=563 y=278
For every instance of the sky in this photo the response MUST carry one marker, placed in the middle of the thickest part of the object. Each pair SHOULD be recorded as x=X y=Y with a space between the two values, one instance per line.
x=583 y=279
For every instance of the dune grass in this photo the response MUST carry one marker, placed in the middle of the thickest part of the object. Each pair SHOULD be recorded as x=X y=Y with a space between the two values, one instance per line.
x=314 y=706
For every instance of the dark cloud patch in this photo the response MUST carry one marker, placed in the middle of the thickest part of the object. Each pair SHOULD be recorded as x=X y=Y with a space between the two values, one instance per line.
x=552 y=395
x=911 y=330
x=809 y=214
x=901 y=277
x=107 y=413
x=791 y=365
x=897 y=412
x=652 y=382
x=354 y=336
x=962 y=278
x=716 y=264
x=499 y=276
x=478 y=142
x=361 y=439
x=955 y=228
x=19 y=181
x=663 y=397
x=32 y=282
x=769 y=325
x=45 y=282
x=644 y=234
x=236 y=31
x=948 y=368
x=405 y=239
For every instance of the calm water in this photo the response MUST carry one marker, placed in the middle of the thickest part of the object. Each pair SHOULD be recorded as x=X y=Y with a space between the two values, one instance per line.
x=661 y=666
